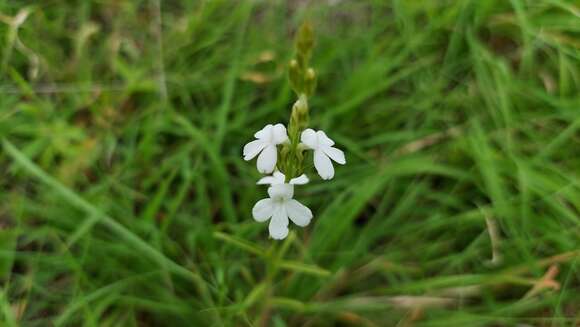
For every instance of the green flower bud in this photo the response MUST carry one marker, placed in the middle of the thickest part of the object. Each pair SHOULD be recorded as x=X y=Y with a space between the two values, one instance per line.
x=302 y=105
x=305 y=39
x=284 y=151
x=310 y=82
x=295 y=75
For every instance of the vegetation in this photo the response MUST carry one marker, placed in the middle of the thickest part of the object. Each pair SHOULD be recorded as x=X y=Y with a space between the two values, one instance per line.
x=125 y=200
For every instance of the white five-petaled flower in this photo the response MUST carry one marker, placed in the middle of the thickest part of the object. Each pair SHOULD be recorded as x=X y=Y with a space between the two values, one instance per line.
x=278 y=208
x=279 y=178
x=267 y=140
x=323 y=152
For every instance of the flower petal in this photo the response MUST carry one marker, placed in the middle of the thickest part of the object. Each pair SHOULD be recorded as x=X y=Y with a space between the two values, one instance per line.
x=278 y=227
x=323 y=139
x=264 y=133
x=271 y=180
x=267 y=159
x=279 y=134
x=298 y=213
x=323 y=165
x=263 y=210
x=308 y=137
x=300 y=180
x=281 y=191
x=276 y=178
x=335 y=154
x=253 y=148
x=280 y=178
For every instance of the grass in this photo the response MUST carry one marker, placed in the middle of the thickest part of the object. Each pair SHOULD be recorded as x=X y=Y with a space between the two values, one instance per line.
x=124 y=199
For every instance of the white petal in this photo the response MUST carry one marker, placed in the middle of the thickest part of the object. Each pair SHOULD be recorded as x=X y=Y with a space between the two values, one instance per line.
x=253 y=148
x=279 y=134
x=264 y=133
x=335 y=154
x=276 y=178
x=324 y=140
x=300 y=180
x=309 y=138
x=323 y=165
x=280 y=178
x=298 y=213
x=271 y=180
x=267 y=159
x=263 y=210
x=279 y=224
x=281 y=191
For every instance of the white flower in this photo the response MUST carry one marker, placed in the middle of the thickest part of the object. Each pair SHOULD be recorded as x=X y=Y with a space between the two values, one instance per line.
x=279 y=207
x=267 y=139
x=323 y=152
x=279 y=178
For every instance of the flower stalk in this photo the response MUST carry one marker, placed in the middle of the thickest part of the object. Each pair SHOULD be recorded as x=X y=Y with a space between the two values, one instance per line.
x=281 y=152
x=303 y=82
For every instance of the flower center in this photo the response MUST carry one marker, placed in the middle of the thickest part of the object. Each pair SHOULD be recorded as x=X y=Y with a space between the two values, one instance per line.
x=279 y=199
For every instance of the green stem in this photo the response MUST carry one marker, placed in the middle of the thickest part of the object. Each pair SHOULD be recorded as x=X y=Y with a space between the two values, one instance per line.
x=273 y=259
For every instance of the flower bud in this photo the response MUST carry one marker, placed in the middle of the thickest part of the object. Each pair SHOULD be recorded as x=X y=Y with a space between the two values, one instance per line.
x=302 y=105
x=310 y=82
x=295 y=76
x=300 y=113
x=305 y=39
x=284 y=151
x=300 y=153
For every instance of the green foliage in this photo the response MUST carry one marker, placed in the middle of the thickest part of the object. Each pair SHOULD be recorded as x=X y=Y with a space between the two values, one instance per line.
x=124 y=199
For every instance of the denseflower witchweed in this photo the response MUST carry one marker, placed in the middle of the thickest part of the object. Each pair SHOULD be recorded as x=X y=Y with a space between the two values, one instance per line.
x=267 y=140
x=282 y=151
x=323 y=152
x=278 y=208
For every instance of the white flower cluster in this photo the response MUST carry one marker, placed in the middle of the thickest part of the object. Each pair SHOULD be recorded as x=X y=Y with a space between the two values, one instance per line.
x=280 y=207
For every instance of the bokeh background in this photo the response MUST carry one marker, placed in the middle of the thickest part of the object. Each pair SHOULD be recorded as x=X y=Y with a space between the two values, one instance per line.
x=124 y=199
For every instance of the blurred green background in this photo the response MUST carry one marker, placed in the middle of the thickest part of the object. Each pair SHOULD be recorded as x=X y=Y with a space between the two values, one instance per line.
x=124 y=199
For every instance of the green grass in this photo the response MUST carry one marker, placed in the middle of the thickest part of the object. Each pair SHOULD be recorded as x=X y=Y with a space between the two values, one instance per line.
x=125 y=201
